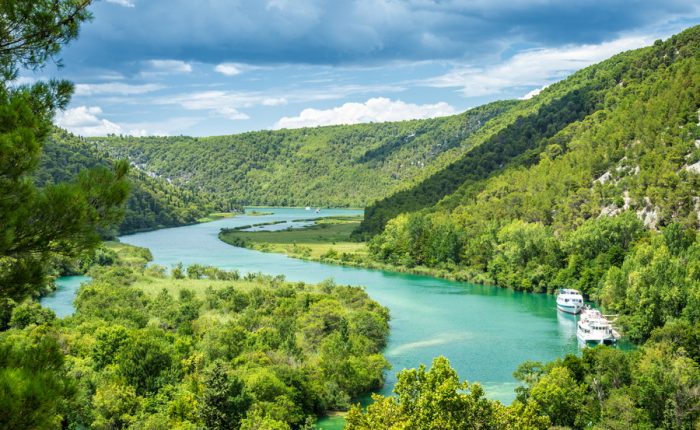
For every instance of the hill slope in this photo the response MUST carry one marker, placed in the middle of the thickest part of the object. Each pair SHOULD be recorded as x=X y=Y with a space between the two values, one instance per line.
x=153 y=203
x=608 y=203
x=541 y=121
x=324 y=166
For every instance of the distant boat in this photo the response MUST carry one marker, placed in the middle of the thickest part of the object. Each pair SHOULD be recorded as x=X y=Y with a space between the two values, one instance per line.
x=594 y=328
x=308 y=208
x=569 y=301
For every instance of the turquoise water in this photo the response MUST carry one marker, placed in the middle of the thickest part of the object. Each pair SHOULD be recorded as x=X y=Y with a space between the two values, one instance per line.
x=484 y=331
x=61 y=300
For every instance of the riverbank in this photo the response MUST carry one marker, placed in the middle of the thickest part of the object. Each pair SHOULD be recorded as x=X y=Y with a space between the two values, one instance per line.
x=328 y=240
x=430 y=315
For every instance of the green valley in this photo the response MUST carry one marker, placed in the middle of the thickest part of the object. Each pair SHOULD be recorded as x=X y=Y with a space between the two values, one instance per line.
x=132 y=292
x=337 y=166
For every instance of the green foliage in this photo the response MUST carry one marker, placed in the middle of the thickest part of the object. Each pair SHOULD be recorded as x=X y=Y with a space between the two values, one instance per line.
x=29 y=313
x=655 y=387
x=153 y=201
x=64 y=219
x=35 y=389
x=212 y=350
x=432 y=399
x=32 y=32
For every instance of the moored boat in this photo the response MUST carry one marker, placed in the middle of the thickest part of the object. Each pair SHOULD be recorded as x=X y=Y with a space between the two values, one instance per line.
x=569 y=301
x=594 y=327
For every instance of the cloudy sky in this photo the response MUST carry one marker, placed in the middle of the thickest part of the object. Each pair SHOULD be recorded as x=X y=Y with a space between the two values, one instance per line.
x=211 y=67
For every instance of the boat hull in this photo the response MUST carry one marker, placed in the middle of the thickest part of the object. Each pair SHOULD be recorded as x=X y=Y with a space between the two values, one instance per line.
x=569 y=309
x=589 y=341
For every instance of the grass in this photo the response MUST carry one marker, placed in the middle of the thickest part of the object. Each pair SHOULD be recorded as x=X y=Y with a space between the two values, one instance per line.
x=326 y=235
x=152 y=286
x=328 y=241
x=258 y=213
x=216 y=216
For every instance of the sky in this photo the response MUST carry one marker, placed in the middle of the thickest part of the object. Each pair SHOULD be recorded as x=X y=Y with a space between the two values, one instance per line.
x=215 y=67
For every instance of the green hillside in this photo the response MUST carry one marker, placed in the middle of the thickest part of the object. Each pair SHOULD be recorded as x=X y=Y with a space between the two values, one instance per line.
x=607 y=203
x=324 y=166
x=153 y=202
x=545 y=124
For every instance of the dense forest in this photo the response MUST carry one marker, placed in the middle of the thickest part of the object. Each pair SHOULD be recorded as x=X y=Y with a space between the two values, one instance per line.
x=153 y=201
x=595 y=190
x=324 y=166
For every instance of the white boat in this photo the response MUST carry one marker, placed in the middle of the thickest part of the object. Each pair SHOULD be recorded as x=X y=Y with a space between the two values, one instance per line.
x=569 y=301
x=308 y=208
x=594 y=327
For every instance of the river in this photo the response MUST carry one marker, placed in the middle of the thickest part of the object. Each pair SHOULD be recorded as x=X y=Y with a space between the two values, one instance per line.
x=484 y=331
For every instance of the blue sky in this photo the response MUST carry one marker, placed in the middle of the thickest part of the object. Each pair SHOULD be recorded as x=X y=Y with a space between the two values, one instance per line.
x=212 y=67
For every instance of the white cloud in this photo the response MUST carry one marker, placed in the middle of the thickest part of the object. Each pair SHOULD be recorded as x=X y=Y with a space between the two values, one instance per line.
x=531 y=68
x=115 y=88
x=87 y=121
x=125 y=3
x=168 y=66
x=533 y=93
x=229 y=69
x=84 y=121
x=378 y=109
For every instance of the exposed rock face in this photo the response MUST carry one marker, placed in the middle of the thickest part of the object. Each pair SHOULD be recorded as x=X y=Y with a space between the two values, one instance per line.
x=604 y=178
x=695 y=168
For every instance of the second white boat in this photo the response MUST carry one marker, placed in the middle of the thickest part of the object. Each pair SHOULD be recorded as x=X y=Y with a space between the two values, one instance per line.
x=593 y=327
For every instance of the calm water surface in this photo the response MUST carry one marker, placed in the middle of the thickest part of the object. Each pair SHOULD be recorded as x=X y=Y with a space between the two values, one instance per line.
x=61 y=299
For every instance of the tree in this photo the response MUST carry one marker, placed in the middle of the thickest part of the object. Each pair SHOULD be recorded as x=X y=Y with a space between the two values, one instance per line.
x=115 y=406
x=144 y=360
x=432 y=399
x=224 y=400
x=559 y=397
x=66 y=218
x=30 y=313
x=34 y=386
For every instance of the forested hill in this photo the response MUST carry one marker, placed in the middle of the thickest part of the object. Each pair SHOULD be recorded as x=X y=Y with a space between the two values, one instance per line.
x=605 y=199
x=545 y=127
x=153 y=201
x=324 y=166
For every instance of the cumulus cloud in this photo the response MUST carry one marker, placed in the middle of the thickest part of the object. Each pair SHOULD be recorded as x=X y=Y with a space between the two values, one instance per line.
x=85 y=121
x=533 y=93
x=88 y=121
x=531 y=68
x=118 y=88
x=377 y=109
